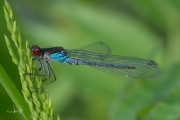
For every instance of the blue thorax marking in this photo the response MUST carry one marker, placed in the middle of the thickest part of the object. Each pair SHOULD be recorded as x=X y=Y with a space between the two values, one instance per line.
x=59 y=57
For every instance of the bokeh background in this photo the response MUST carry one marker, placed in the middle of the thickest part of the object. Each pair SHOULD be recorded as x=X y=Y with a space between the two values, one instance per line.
x=147 y=29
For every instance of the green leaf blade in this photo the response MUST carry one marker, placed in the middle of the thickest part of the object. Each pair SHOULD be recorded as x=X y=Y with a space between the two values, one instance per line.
x=14 y=93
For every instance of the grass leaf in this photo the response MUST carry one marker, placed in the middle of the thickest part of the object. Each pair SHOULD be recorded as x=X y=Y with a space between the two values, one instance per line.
x=14 y=93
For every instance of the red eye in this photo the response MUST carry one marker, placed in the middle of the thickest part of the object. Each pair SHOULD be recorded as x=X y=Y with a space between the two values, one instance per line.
x=36 y=50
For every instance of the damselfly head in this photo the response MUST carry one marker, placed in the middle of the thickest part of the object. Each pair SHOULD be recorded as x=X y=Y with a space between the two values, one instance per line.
x=35 y=50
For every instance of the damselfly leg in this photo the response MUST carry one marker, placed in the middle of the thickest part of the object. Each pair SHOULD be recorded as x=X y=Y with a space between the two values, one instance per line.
x=48 y=74
x=41 y=66
x=47 y=71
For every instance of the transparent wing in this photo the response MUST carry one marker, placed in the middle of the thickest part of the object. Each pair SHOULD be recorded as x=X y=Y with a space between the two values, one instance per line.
x=98 y=47
x=140 y=68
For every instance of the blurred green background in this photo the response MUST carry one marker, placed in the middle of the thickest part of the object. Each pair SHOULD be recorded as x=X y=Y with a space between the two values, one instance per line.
x=147 y=29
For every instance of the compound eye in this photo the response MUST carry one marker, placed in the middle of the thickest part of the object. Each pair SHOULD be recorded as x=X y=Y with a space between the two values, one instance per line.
x=36 y=50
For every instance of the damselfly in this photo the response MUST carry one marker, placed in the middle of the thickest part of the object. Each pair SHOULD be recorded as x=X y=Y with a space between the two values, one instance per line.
x=96 y=55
